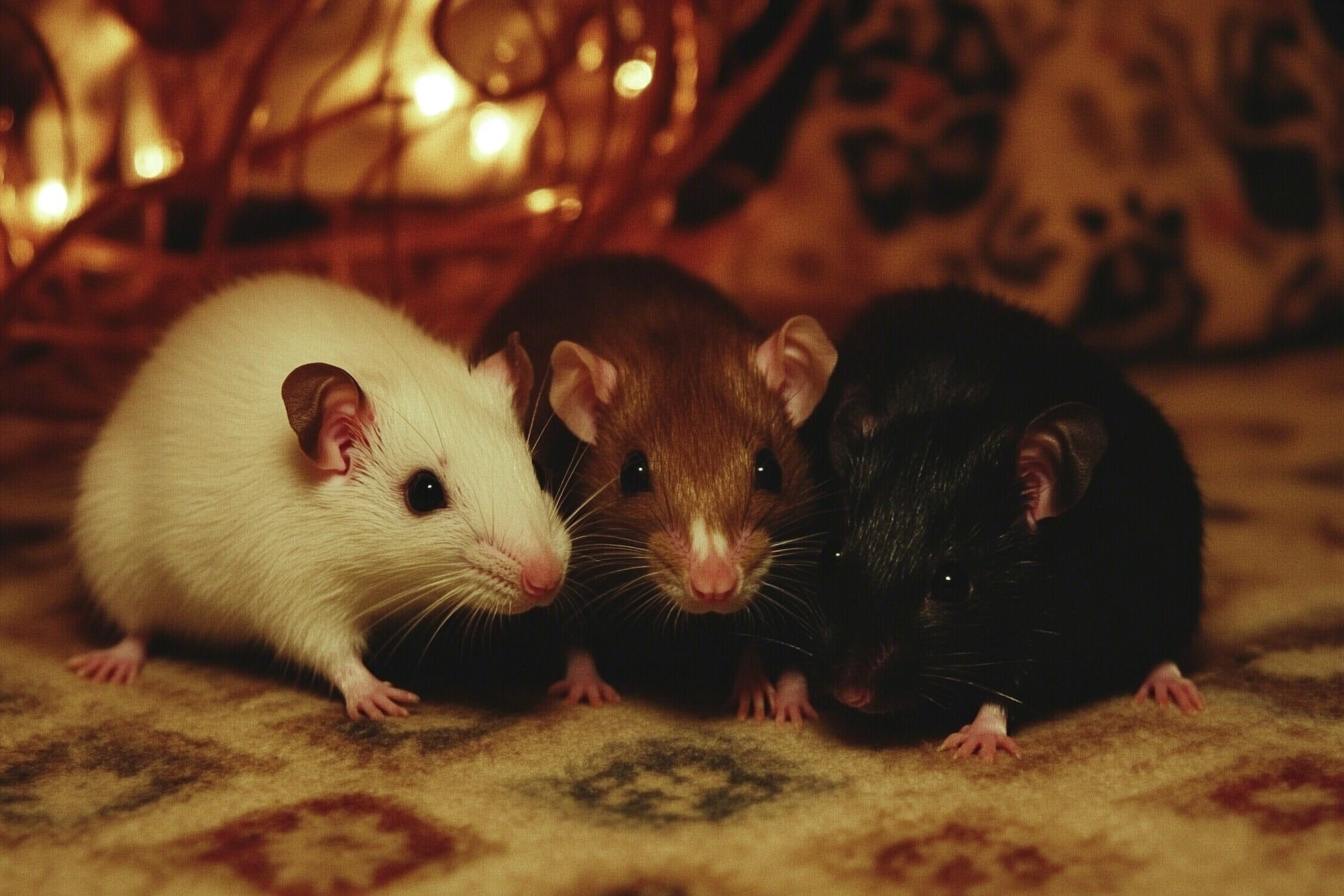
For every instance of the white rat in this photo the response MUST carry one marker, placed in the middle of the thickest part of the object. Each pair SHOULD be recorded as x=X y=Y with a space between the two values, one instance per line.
x=408 y=490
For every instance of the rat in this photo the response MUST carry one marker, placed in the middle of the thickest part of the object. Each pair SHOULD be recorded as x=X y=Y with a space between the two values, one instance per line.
x=1020 y=529
x=677 y=457
x=296 y=462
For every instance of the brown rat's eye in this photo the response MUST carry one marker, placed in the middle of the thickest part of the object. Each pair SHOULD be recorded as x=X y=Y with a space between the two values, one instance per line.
x=769 y=477
x=635 y=474
x=950 y=583
x=425 y=493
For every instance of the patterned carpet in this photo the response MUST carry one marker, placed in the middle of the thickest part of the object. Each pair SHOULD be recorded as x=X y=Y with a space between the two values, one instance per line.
x=224 y=775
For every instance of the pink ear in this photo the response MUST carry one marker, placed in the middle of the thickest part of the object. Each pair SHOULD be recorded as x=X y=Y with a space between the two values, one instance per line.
x=797 y=361
x=582 y=384
x=1056 y=457
x=327 y=411
x=512 y=367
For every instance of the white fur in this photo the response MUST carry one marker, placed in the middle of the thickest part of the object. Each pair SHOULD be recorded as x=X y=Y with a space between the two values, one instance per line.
x=199 y=514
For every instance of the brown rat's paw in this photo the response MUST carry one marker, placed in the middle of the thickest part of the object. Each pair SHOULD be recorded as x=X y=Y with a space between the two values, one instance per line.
x=752 y=690
x=119 y=664
x=791 y=703
x=986 y=735
x=1167 y=685
x=582 y=682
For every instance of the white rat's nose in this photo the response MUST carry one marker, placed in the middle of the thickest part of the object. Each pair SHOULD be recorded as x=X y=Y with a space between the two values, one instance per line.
x=542 y=577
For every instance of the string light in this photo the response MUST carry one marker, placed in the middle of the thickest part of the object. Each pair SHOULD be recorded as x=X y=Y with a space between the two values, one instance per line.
x=632 y=78
x=434 y=93
x=491 y=129
x=157 y=160
x=51 y=203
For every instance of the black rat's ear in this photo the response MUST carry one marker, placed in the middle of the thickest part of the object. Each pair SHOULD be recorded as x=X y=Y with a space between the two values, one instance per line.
x=1056 y=457
x=327 y=411
x=852 y=424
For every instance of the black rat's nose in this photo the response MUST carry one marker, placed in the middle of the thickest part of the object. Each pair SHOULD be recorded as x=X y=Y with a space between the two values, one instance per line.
x=854 y=697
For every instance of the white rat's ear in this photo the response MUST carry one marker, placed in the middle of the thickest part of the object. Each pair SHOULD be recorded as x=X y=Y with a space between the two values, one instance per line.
x=582 y=384
x=512 y=367
x=1056 y=457
x=327 y=411
x=797 y=361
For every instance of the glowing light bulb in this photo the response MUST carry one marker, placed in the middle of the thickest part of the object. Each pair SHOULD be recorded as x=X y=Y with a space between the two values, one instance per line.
x=539 y=202
x=435 y=93
x=491 y=129
x=156 y=160
x=51 y=203
x=633 y=77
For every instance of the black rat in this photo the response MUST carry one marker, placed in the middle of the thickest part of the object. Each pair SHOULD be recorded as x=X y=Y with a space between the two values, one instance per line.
x=296 y=462
x=1020 y=532
x=679 y=461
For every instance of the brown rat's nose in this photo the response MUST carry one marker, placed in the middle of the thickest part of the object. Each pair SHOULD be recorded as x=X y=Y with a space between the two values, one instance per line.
x=713 y=579
x=854 y=697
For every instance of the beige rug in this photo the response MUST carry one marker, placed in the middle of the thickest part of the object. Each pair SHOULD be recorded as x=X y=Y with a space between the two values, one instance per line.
x=214 y=776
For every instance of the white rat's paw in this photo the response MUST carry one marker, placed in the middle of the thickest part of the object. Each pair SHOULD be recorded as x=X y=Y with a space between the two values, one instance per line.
x=582 y=682
x=1167 y=685
x=378 y=700
x=118 y=664
x=752 y=691
x=986 y=735
x=791 y=703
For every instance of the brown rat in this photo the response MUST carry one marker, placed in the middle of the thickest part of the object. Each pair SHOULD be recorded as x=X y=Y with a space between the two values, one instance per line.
x=296 y=462
x=679 y=461
x=1021 y=530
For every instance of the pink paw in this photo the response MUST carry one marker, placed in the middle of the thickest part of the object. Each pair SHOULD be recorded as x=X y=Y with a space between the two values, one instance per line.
x=1167 y=685
x=791 y=703
x=378 y=700
x=582 y=682
x=986 y=735
x=119 y=664
x=752 y=690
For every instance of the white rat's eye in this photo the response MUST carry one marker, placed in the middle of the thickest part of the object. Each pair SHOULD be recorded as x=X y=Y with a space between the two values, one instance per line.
x=425 y=493
x=635 y=474
x=768 y=475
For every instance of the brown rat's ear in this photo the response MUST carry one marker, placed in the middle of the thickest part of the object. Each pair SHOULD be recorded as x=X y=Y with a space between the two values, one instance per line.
x=326 y=409
x=511 y=366
x=1056 y=457
x=797 y=361
x=582 y=384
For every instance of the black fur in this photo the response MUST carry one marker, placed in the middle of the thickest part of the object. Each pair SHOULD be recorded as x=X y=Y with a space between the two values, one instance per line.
x=932 y=395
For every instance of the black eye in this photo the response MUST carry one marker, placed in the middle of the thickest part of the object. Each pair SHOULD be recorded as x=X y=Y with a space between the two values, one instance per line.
x=635 y=474
x=543 y=480
x=950 y=583
x=424 y=493
x=830 y=557
x=769 y=477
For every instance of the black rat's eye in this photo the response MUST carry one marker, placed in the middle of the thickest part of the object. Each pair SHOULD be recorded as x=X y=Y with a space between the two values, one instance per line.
x=424 y=493
x=543 y=480
x=768 y=476
x=635 y=474
x=950 y=583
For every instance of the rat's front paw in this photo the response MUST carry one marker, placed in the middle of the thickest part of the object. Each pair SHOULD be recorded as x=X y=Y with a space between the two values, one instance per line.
x=119 y=664
x=791 y=703
x=582 y=682
x=986 y=735
x=752 y=691
x=378 y=700
x=1166 y=685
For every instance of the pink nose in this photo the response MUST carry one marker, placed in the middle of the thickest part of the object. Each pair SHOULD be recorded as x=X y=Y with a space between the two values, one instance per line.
x=854 y=697
x=542 y=578
x=713 y=579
